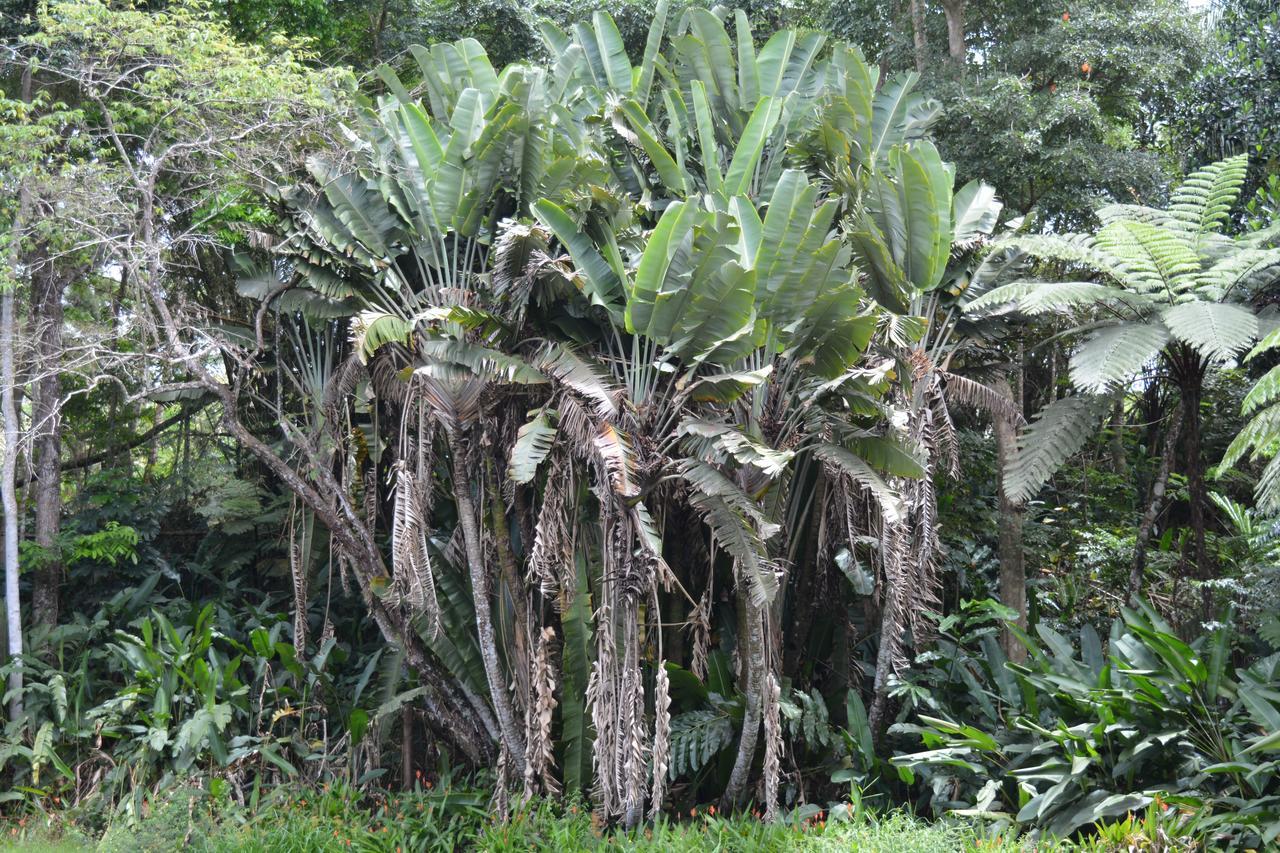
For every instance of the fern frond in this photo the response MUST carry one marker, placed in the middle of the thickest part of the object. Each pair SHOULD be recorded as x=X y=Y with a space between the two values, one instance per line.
x=696 y=738
x=1205 y=198
x=1057 y=431
x=1264 y=392
x=1039 y=297
x=1262 y=433
x=1217 y=330
x=1114 y=353
x=1151 y=259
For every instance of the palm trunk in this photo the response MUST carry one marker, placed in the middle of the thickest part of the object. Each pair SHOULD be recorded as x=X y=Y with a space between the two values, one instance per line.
x=755 y=666
x=1148 y=522
x=511 y=737
x=1013 y=575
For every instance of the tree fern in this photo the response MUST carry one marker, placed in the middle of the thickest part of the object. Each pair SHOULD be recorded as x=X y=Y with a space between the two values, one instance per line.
x=1217 y=330
x=1057 y=432
x=1205 y=198
x=1113 y=354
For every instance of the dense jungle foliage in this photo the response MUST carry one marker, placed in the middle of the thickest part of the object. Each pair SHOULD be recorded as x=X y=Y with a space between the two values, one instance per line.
x=556 y=424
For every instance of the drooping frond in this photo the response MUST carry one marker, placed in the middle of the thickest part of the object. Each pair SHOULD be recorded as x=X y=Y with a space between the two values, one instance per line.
x=483 y=362
x=533 y=442
x=716 y=442
x=969 y=392
x=585 y=377
x=614 y=449
x=727 y=387
x=1115 y=353
x=1204 y=200
x=860 y=472
x=1057 y=432
x=735 y=533
x=372 y=330
x=1217 y=330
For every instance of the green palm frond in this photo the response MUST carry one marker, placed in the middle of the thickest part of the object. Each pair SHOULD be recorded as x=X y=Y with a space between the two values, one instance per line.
x=859 y=471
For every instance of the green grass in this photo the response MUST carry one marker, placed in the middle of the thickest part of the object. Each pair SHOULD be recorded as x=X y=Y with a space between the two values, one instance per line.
x=293 y=821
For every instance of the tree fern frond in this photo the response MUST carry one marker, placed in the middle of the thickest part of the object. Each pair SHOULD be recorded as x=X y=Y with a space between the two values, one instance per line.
x=1114 y=353
x=1151 y=259
x=1244 y=272
x=1261 y=433
x=1057 y=431
x=1205 y=198
x=1134 y=213
x=1217 y=330
x=1038 y=297
x=1264 y=392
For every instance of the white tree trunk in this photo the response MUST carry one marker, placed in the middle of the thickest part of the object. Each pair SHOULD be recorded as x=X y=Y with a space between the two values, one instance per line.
x=8 y=486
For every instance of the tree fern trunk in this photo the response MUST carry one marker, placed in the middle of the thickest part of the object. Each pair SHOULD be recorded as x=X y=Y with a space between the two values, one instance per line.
x=1013 y=574
x=1152 y=512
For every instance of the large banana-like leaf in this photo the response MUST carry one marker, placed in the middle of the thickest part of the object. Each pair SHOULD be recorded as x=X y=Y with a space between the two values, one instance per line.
x=903 y=237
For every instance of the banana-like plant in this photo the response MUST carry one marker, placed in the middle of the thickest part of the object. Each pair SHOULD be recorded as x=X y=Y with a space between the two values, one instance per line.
x=610 y=306
x=1151 y=286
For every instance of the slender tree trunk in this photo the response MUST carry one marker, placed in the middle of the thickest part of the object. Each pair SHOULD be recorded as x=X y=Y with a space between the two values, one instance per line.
x=8 y=485
x=46 y=422
x=511 y=577
x=9 y=461
x=1115 y=443
x=751 y=719
x=956 y=51
x=1148 y=522
x=1013 y=573
x=918 y=34
x=511 y=736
